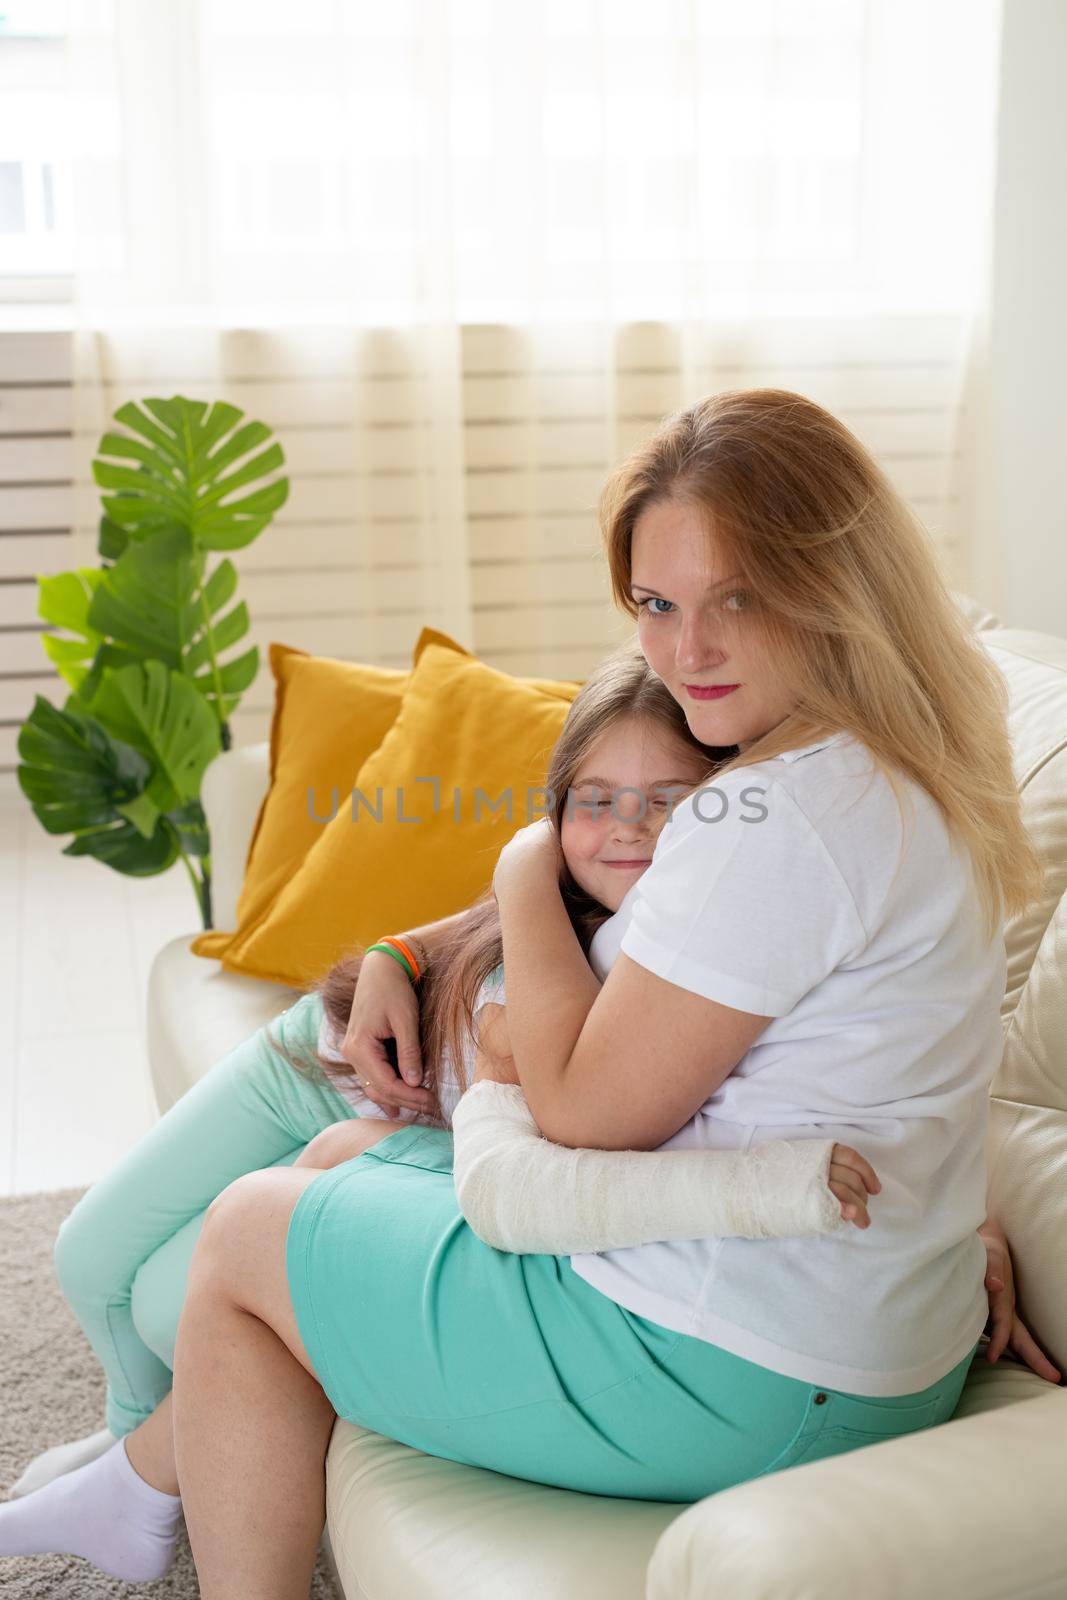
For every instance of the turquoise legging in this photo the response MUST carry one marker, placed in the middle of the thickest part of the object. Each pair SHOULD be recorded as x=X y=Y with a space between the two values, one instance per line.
x=123 y=1253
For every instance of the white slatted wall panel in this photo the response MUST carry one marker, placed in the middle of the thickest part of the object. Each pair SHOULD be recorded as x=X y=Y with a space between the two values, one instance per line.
x=543 y=422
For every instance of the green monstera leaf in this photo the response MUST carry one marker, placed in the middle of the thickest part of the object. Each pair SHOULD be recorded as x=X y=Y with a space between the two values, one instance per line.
x=64 y=600
x=81 y=781
x=153 y=603
x=111 y=540
x=67 y=601
x=140 y=641
x=185 y=454
x=159 y=714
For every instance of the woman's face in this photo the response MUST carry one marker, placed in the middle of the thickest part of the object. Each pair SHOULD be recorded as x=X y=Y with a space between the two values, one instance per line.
x=608 y=836
x=694 y=632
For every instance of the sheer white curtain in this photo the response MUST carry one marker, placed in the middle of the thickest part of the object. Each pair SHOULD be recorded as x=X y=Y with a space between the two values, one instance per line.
x=461 y=254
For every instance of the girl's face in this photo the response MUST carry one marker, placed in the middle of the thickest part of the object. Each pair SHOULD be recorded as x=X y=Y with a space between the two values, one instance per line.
x=693 y=629
x=608 y=832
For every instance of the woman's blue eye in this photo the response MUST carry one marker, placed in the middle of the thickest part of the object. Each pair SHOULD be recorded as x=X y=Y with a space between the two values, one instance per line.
x=651 y=600
x=737 y=594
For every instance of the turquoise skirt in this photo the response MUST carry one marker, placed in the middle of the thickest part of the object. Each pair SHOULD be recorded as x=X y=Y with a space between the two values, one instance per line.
x=420 y=1331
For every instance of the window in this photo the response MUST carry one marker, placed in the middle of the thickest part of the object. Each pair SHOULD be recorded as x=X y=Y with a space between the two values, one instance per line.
x=635 y=159
x=35 y=223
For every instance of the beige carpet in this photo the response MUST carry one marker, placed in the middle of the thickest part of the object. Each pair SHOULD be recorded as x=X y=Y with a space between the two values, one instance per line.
x=52 y=1390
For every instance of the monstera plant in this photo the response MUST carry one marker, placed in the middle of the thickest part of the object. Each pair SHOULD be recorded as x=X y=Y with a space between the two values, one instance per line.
x=144 y=641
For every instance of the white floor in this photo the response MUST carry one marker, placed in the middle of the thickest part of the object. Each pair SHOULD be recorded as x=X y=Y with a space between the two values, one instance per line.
x=76 y=942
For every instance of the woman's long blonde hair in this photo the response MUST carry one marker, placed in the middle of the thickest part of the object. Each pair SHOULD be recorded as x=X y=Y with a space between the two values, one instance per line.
x=850 y=605
x=622 y=687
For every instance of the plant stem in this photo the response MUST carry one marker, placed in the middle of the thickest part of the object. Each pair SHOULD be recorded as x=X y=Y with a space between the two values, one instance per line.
x=201 y=889
x=211 y=652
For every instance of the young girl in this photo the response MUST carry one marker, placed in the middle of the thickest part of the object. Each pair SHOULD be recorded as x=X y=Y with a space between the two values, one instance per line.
x=624 y=759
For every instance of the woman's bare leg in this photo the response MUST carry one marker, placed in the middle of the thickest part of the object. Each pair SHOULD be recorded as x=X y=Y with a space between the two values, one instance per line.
x=150 y=1448
x=251 y=1421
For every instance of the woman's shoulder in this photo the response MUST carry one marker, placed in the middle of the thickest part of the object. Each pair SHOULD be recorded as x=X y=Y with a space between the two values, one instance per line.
x=878 y=826
x=845 y=793
x=833 y=782
x=822 y=815
x=806 y=788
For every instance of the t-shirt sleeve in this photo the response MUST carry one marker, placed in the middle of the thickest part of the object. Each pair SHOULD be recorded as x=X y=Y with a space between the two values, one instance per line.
x=490 y=993
x=328 y=1043
x=752 y=912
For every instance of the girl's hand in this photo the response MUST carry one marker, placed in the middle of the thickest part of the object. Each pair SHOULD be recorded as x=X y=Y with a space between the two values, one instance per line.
x=385 y=1006
x=852 y=1179
x=535 y=849
x=1007 y=1330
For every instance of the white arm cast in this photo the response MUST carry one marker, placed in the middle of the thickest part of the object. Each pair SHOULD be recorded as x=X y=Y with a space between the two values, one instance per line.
x=527 y=1195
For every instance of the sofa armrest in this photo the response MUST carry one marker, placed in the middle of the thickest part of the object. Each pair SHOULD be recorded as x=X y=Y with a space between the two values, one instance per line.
x=231 y=794
x=973 y=1506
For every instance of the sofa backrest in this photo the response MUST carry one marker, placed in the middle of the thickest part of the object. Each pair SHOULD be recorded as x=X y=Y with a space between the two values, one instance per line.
x=1027 y=1144
x=231 y=794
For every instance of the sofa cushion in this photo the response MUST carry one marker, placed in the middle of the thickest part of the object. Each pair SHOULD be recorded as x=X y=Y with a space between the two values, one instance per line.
x=328 y=717
x=440 y=1528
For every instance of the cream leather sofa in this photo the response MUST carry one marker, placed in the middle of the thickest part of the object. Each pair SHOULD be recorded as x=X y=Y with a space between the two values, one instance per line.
x=975 y=1508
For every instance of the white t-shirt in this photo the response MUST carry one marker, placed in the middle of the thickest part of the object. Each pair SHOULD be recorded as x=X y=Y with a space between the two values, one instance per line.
x=886 y=1002
x=448 y=1085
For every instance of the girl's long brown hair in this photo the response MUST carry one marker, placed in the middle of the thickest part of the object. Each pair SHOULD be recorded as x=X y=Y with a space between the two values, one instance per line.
x=623 y=686
x=846 y=597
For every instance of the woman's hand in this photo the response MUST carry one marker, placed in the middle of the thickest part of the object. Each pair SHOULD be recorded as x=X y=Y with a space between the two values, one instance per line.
x=385 y=1006
x=1007 y=1330
x=852 y=1179
x=534 y=850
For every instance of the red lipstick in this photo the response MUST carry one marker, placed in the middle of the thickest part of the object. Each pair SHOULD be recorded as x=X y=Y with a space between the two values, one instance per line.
x=712 y=692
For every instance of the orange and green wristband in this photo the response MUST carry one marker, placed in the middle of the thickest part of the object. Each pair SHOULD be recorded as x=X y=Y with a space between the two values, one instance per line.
x=400 y=952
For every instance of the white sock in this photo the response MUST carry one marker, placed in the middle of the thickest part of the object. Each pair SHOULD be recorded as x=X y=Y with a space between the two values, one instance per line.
x=104 y=1511
x=61 y=1458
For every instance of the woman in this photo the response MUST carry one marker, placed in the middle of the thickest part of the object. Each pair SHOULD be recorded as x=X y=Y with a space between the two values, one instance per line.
x=805 y=625
x=787 y=599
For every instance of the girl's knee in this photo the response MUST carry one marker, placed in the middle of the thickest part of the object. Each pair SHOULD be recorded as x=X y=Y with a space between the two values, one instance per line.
x=154 y=1313
x=73 y=1255
x=343 y=1140
x=159 y=1290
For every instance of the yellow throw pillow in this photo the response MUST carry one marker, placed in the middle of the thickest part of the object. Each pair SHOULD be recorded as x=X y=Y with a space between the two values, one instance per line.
x=483 y=736
x=328 y=717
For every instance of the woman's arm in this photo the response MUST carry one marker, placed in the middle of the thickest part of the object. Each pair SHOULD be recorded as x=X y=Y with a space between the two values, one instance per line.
x=524 y=1194
x=621 y=1067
